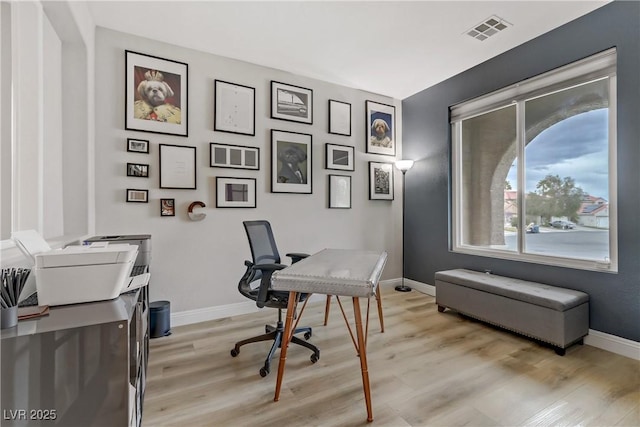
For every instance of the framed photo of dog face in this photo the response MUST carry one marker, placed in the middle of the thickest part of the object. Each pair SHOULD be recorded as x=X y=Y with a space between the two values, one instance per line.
x=381 y=128
x=235 y=192
x=235 y=108
x=292 y=103
x=156 y=94
x=177 y=167
x=290 y=162
x=339 y=157
x=339 y=192
x=380 y=181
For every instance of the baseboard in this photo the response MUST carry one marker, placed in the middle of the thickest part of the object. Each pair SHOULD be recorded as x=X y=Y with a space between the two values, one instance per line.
x=608 y=342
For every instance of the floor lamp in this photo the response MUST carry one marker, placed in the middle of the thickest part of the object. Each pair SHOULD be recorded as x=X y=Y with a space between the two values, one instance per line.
x=404 y=166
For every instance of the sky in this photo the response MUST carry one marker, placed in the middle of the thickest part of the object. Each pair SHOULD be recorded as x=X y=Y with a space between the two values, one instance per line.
x=576 y=147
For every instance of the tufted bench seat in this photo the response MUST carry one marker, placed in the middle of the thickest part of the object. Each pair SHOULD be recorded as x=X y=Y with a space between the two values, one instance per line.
x=554 y=315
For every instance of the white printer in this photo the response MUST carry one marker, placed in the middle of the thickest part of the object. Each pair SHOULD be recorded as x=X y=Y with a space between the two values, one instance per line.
x=78 y=274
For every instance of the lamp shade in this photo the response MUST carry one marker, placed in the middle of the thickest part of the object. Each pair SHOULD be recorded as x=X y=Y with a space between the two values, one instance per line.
x=404 y=165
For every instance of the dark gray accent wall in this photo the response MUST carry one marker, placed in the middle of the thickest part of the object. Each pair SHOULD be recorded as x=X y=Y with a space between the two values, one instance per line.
x=615 y=298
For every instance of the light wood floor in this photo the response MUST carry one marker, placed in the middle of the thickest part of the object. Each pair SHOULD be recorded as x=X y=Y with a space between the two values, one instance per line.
x=427 y=368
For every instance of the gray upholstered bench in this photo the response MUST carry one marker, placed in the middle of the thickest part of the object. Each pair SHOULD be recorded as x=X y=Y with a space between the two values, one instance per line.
x=554 y=315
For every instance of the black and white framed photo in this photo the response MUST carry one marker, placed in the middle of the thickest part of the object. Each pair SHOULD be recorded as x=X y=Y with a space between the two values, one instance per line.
x=234 y=156
x=380 y=181
x=137 y=145
x=138 y=170
x=235 y=108
x=156 y=94
x=339 y=118
x=235 y=192
x=292 y=103
x=167 y=207
x=339 y=157
x=381 y=128
x=339 y=192
x=290 y=162
x=177 y=167
x=137 y=196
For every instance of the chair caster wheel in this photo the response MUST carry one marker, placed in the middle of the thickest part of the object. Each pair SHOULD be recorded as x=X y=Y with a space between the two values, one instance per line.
x=234 y=352
x=264 y=372
x=314 y=358
x=307 y=335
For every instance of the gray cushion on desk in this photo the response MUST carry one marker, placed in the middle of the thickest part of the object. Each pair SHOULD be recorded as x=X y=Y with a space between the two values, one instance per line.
x=559 y=299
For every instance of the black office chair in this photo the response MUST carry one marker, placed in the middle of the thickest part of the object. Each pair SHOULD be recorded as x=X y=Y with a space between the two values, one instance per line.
x=266 y=260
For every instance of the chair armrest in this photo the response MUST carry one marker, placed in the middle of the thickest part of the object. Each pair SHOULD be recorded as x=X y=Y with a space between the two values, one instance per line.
x=296 y=256
x=265 y=282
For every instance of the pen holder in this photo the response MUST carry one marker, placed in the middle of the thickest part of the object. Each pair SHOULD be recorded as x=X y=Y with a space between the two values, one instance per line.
x=8 y=317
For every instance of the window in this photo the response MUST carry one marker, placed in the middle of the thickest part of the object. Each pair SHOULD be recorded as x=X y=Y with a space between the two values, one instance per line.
x=534 y=173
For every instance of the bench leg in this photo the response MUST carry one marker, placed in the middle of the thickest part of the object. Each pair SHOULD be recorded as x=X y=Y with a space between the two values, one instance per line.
x=441 y=309
x=560 y=351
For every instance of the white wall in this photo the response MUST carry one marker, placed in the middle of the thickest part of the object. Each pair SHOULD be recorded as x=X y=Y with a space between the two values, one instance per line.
x=196 y=265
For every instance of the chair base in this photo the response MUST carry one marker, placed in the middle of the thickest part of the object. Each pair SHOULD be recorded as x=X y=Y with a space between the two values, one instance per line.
x=275 y=334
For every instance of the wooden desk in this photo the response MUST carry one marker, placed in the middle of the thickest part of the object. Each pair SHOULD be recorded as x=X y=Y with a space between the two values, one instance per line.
x=339 y=272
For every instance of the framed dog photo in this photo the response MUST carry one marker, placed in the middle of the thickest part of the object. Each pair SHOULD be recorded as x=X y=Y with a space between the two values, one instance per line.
x=381 y=128
x=138 y=170
x=137 y=196
x=177 y=167
x=339 y=118
x=137 y=145
x=339 y=192
x=156 y=94
x=291 y=162
x=235 y=192
x=235 y=108
x=380 y=181
x=339 y=157
x=234 y=156
x=167 y=207
x=292 y=103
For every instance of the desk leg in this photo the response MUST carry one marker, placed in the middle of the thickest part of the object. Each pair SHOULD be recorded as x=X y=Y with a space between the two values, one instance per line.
x=379 y=301
x=286 y=338
x=362 y=351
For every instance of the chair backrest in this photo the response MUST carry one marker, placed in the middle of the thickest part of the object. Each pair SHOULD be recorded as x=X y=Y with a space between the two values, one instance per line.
x=262 y=243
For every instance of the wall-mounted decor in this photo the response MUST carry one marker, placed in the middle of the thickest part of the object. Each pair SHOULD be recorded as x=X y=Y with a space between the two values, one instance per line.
x=137 y=145
x=381 y=128
x=177 y=167
x=195 y=215
x=339 y=157
x=339 y=192
x=137 y=196
x=380 y=181
x=292 y=103
x=234 y=156
x=235 y=192
x=138 y=169
x=339 y=118
x=290 y=162
x=156 y=94
x=167 y=207
x=235 y=108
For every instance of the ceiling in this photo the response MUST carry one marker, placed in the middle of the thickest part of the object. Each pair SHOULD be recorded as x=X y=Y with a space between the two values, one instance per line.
x=393 y=48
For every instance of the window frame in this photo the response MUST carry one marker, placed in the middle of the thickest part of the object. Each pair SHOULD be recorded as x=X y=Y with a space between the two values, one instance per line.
x=599 y=66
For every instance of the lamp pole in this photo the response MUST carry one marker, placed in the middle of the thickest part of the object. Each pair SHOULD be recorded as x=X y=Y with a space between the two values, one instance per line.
x=404 y=166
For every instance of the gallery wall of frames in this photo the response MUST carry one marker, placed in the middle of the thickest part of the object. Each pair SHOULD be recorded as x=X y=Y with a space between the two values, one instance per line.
x=157 y=102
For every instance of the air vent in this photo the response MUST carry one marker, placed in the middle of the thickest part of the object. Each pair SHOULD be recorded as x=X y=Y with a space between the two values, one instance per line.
x=487 y=28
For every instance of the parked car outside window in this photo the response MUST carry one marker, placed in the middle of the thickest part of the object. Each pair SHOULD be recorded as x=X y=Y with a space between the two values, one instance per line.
x=533 y=228
x=565 y=225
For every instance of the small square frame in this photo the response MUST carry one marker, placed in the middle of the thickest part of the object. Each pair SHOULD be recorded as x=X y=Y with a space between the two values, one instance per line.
x=137 y=145
x=177 y=167
x=137 y=196
x=339 y=118
x=167 y=207
x=383 y=117
x=288 y=177
x=233 y=156
x=380 y=181
x=291 y=103
x=339 y=157
x=138 y=170
x=235 y=192
x=339 y=192
x=235 y=108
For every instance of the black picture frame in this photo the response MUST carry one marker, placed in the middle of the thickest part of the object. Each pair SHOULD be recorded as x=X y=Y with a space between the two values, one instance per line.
x=291 y=103
x=167 y=207
x=339 y=118
x=381 y=128
x=234 y=108
x=165 y=114
x=380 y=181
x=138 y=170
x=339 y=192
x=135 y=195
x=295 y=174
x=135 y=145
x=177 y=165
x=339 y=157
x=234 y=192
x=234 y=156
